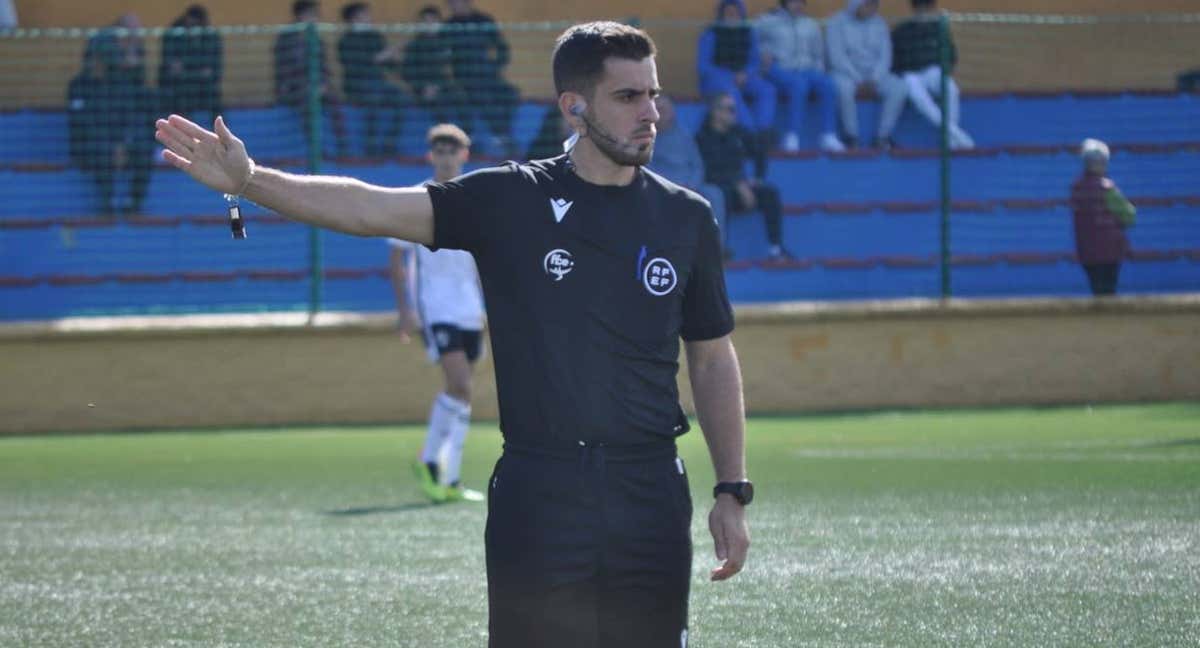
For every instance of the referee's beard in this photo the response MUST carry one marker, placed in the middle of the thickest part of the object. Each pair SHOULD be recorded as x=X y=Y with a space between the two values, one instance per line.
x=623 y=153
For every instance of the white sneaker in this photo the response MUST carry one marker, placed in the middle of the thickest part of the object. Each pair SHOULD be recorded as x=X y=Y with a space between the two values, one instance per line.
x=960 y=140
x=831 y=144
x=460 y=494
x=790 y=143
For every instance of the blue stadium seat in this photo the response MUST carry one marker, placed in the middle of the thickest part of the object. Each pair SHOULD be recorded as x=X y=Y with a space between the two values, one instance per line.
x=1166 y=228
x=864 y=225
x=1013 y=119
x=370 y=293
x=1002 y=231
x=40 y=136
x=821 y=234
x=758 y=284
x=33 y=136
x=113 y=297
x=994 y=177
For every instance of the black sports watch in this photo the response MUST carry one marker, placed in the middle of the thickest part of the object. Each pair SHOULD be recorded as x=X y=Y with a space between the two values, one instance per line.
x=742 y=491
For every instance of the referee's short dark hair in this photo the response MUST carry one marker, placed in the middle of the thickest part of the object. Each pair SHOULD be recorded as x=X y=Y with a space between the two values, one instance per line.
x=448 y=134
x=581 y=51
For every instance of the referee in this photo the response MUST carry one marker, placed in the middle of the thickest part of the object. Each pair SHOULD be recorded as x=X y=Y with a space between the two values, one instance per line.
x=593 y=268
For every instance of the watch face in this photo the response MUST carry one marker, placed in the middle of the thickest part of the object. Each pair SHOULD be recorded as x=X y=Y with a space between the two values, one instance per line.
x=746 y=494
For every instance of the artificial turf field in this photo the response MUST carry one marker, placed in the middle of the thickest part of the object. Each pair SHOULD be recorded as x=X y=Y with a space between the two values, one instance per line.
x=1053 y=527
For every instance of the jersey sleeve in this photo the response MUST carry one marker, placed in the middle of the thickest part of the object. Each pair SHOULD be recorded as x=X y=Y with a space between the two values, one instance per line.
x=707 y=313
x=465 y=208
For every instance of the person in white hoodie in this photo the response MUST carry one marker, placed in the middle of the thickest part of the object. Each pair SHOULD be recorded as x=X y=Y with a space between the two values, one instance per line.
x=793 y=55
x=860 y=56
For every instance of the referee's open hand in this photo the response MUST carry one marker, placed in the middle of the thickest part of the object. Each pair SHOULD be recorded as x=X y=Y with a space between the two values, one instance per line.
x=731 y=536
x=217 y=160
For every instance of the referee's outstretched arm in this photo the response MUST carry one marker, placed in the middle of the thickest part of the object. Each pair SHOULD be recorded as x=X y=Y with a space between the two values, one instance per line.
x=717 y=390
x=219 y=161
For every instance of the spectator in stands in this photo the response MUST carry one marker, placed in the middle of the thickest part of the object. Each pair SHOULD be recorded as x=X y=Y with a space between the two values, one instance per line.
x=793 y=54
x=131 y=67
x=1188 y=82
x=365 y=56
x=729 y=61
x=677 y=158
x=292 y=58
x=479 y=55
x=107 y=117
x=1101 y=216
x=916 y=57
x=8 y=15
x=860 y=58
x=121 y=47
x=189 y=76
x=426 y=69
x=724 y=151
x=551 y=134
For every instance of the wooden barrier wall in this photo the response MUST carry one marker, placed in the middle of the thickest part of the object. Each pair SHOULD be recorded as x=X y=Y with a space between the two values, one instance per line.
x=267 y=370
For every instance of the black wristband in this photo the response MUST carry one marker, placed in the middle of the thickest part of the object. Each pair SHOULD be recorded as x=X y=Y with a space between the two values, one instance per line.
x=742 y=491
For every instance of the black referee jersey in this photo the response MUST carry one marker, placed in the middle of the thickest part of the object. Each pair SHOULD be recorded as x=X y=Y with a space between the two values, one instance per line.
x=589 y=289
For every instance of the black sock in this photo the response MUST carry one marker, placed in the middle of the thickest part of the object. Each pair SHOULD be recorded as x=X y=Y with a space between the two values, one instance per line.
x=433 y=470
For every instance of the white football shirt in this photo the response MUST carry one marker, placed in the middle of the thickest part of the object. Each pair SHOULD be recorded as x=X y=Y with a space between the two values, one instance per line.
x=443 y=285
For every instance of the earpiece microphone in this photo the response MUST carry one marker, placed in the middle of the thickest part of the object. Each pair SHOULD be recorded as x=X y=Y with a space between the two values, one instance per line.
x=578 y=110
x=570 y=142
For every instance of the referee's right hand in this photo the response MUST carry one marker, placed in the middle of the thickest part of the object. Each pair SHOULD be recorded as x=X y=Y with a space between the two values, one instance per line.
x=217 y=160
x=731 y=536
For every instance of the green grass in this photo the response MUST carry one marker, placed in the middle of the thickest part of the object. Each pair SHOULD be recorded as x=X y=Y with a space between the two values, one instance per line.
x=1058 y=527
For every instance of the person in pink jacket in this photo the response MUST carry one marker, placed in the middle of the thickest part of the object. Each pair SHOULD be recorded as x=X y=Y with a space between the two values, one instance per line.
x=1101 y=214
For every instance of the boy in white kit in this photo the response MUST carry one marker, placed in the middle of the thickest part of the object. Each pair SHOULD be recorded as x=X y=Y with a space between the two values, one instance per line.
x=438 y=292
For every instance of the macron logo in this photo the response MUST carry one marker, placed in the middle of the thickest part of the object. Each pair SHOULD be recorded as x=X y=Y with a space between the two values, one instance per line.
x=560 y=206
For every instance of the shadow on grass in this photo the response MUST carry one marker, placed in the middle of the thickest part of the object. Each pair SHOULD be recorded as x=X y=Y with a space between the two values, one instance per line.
x=378 y=510
x=1173 y=443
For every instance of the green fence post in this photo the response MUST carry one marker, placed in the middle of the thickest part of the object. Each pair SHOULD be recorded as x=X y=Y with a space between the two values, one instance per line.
x=944 y=100
x=313 y=134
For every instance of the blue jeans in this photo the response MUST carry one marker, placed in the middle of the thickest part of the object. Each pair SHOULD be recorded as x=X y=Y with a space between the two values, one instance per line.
x=796 y=84
x=721 y=81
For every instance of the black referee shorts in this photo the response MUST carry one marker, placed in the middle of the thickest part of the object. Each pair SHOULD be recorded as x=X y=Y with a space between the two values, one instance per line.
x=589 y=548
